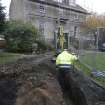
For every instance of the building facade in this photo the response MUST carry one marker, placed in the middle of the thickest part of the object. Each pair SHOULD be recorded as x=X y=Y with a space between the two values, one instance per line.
x=47 y=15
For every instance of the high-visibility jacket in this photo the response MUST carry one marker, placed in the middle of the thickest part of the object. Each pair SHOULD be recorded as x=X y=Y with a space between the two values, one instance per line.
x=65 y=59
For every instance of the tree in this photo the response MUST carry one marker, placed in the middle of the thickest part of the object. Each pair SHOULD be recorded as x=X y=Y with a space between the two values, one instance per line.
x=20 y=36
x=2 y=18
x=93 y=21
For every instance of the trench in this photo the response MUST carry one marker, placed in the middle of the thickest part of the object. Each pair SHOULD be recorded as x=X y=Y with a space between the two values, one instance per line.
x=72 y=94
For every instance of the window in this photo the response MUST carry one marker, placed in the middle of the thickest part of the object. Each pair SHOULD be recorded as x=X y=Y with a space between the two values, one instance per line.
x=42 y=9
x=76 y=17
x=75 y=31
x=61 y=12
x=41 y=27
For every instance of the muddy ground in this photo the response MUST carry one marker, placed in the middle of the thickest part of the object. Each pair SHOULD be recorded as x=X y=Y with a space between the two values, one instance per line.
x=31 y=80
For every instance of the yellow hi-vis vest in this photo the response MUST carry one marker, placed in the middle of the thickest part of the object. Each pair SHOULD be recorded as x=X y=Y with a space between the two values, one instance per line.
x=65 y=58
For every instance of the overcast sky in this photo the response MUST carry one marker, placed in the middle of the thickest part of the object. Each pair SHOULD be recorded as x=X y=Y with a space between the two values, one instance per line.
x=92 y=5
x=6 y=3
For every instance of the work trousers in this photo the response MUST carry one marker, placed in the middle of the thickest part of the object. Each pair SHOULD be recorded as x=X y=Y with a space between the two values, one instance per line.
x=63 y=78
x=70 y=87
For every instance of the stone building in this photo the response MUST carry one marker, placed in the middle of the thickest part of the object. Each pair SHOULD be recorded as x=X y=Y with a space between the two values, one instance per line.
x=47 y=15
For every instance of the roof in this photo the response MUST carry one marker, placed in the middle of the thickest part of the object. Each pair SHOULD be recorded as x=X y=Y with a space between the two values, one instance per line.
x=76 y=8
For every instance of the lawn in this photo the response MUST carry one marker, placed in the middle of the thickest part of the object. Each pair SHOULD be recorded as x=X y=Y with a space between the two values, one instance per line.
x=8 y=57
x=94 y=60
x=90 y=61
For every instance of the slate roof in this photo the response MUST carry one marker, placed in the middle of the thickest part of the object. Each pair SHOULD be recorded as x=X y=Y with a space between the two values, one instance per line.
x=76 y=8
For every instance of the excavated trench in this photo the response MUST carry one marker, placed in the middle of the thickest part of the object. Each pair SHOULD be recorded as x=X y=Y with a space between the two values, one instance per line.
x=32 y=80
x=72 y=93
x=82 y=90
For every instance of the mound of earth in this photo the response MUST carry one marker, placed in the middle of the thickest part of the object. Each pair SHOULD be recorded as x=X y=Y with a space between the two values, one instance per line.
x=32 y=81
x=29 y=82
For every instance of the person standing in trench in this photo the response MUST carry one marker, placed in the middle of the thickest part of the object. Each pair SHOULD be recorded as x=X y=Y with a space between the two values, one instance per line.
x=64 y=64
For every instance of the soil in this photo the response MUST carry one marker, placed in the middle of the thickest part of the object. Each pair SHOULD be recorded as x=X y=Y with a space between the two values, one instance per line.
x=29 y=81
x=32 y=80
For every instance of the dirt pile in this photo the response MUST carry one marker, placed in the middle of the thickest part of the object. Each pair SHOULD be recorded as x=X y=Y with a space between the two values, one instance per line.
x=44 y=94
x=29 y=82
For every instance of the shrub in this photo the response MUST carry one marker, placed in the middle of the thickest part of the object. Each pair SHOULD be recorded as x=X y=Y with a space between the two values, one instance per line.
x=43 y=46
x=20 y=36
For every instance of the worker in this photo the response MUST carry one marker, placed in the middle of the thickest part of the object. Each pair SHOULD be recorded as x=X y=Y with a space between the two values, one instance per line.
x=64 y=64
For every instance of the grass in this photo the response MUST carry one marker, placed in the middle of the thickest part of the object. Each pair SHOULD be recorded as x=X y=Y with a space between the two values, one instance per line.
x=92 y=61
x=8 y=57
x=84 y=68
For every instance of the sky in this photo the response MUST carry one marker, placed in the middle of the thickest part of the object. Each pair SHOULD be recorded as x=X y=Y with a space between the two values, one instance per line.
x=91 y=5
x=6 y=3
